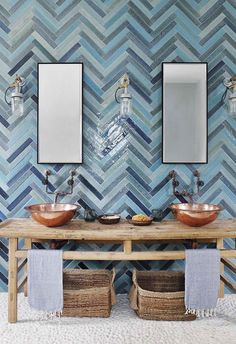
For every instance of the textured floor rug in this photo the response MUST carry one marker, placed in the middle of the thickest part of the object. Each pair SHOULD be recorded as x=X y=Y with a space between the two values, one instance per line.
x=123 y=327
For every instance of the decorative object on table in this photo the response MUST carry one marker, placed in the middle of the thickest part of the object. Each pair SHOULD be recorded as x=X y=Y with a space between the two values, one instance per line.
x=195 y=214
x=202 y=281
x=229 y=96
x=159 y=295
x=52 y=214
x=88 y=293
x=125 y=98
x=17 y=102
x=141 y=220
x=90 y=215
x=157 y=215
x=109 y=219
x=45 y=277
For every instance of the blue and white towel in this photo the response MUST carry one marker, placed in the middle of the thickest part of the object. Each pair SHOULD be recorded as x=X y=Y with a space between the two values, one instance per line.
x=45 y=280
x=202 y=281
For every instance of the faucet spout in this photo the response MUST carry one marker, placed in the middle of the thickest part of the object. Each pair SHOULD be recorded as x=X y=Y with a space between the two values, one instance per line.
x=57 y=194
x=187 y=194
x=190 y=197
x=56 y=197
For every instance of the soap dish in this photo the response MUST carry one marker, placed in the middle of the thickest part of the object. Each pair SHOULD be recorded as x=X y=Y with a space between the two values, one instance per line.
x=109 y=219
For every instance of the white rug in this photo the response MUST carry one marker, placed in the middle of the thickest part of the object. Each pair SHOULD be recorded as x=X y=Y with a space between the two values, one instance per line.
x=123 y=327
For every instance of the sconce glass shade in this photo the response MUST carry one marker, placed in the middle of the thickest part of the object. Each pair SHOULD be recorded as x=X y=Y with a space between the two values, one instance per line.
x=125 y=98
x=231 y=103
x=17 y=104
x=125 y=104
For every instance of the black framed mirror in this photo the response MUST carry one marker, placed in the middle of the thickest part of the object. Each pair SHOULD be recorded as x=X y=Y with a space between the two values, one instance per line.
x=60 y=97
x=184 y=112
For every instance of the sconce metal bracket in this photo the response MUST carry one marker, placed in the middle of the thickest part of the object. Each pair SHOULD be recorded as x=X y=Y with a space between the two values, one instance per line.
x=123 y=84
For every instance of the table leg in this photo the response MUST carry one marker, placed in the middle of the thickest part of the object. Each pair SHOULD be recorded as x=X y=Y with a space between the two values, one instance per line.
x=28 y=245
x=127 y=246
x=220 y=245
x=12 y=281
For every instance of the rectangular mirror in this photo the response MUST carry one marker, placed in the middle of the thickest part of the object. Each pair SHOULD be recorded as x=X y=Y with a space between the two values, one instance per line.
x=60 y=112
x=184 y=111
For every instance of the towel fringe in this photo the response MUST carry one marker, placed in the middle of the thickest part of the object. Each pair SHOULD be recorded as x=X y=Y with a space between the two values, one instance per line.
x=202 y=313
x=53 y=315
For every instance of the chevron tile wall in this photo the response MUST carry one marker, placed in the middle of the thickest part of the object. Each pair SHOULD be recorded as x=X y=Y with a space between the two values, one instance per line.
x=122 y=172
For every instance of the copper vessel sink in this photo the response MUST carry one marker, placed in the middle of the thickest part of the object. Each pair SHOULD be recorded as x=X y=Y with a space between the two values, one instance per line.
x=195 y=214
x=52 y=214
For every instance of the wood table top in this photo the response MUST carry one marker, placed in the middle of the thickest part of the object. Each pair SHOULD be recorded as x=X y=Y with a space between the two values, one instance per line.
x=81 y=230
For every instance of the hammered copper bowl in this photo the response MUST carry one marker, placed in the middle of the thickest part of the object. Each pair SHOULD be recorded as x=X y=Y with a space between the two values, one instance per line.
x=52 y=214
x=196 y=214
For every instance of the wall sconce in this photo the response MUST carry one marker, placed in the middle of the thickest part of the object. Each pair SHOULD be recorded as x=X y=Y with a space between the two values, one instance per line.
x=230 y=97
x=16 y=103
x=125 y=98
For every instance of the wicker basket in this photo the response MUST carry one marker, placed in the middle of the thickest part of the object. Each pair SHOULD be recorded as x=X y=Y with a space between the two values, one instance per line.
x=159 y=295
x=88 y=293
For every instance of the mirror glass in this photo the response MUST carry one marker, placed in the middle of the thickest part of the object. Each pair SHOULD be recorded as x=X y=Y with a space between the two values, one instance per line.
x=60 y=112
x=184 y=112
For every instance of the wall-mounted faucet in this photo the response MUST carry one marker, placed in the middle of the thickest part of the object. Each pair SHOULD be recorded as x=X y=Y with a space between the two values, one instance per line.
x=58 y=194
x=186 y=193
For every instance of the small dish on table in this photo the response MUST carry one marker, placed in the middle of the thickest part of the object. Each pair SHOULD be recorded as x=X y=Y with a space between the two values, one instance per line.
x=109 y=219
x=141 y=220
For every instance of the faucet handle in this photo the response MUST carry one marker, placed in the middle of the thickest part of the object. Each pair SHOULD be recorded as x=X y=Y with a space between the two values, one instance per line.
x=175 y=183
x=172 y=174
x=196 y=173
x=45 y=180
x=200 y=183
x=70 y=182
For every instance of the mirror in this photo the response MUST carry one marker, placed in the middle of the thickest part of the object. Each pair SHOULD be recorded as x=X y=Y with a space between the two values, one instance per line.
x=184 y=112
x=60 y=112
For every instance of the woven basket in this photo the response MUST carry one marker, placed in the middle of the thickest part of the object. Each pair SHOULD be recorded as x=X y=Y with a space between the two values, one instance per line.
x=159 y=295
x=88 y=293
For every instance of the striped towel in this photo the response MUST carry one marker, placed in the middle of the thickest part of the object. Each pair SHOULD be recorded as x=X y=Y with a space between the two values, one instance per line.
x=202 y=281
x=45 y=280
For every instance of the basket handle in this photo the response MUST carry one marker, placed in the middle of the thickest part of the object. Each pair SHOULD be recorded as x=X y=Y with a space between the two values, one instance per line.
x=113 y=293
x=133 y=294
x=134 y=278
x=113 y=275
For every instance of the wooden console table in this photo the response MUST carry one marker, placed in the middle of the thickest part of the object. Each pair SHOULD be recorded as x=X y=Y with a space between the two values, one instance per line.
x=125 y=233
